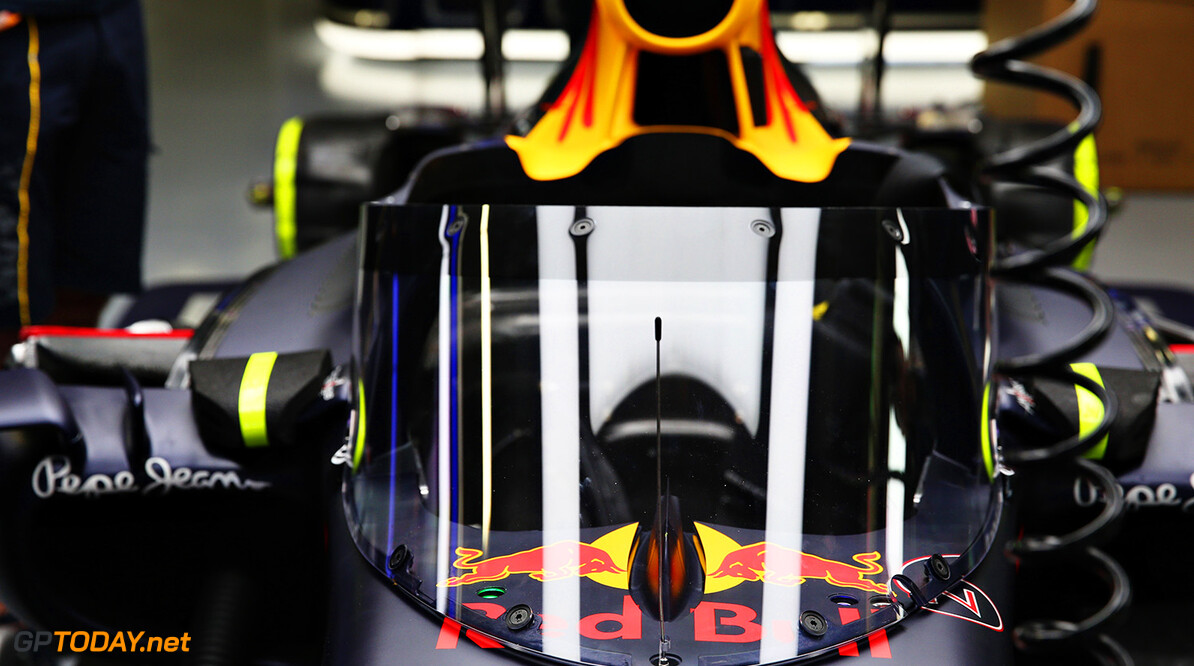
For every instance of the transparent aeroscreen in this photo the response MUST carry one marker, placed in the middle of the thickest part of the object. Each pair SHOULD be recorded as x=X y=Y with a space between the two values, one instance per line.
x=672 y=429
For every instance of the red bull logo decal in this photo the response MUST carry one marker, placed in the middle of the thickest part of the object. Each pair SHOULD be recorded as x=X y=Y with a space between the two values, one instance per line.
x=603 y=561
x=727 y=563
x=570 y=559
x=783 y=566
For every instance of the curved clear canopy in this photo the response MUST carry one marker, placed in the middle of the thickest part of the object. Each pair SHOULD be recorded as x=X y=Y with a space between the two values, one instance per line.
x=604 y=433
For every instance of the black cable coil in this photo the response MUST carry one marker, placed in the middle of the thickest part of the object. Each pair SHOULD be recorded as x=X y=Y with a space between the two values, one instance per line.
x=1049 y=267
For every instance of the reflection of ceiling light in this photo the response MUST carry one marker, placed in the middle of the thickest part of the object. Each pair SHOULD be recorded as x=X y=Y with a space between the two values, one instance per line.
x=458 y=84
x=902 y=48
x=438 y=43
x=833 y=48
x=810 y=21
x=671 y=427
x=434 y=83
x=370 y=19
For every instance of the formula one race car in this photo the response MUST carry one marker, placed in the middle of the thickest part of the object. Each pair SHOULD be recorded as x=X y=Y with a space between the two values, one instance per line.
x=666 y=374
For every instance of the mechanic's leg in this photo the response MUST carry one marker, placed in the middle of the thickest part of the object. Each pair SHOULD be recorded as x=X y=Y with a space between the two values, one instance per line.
x=45 y=167
x=101 y=224
x=15 y=87
x=25 y=211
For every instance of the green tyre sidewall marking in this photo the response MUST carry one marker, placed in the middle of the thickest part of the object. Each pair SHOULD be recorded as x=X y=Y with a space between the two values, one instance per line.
x=251 y=400
x=285 y=193
x=1090 y=410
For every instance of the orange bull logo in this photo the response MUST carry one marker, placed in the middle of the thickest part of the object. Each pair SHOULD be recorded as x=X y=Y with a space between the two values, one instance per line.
x=783 y=566
x=569 y=559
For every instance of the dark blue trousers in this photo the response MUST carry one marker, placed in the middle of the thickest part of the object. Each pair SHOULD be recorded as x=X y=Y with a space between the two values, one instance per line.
x=74 y=139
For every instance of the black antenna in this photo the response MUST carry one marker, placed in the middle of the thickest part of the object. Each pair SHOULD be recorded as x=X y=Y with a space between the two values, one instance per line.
x=663 y=641
x=870 y=101
x=658 y=414
x=493 y=26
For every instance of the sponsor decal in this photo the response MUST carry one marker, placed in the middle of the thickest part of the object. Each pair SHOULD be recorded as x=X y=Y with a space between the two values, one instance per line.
x=333 y=382
x=777 y=565
x=727 y=563
x=54 y=476
x=1143 y=496
x=593 y=561
x=1163 y=495
x=1022 y=396
x=713 y=622
x=449 y=632
x=606 y=561
x=966 y=602
x=343 y=455
x=725 y=623
x=581 y=559
x=876 y=642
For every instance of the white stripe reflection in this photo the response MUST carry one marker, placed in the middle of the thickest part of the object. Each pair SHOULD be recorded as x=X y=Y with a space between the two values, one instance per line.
x=897 y=444
x=789 y=421
x=486 y=386
x=559 y=350
x=444 y=479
